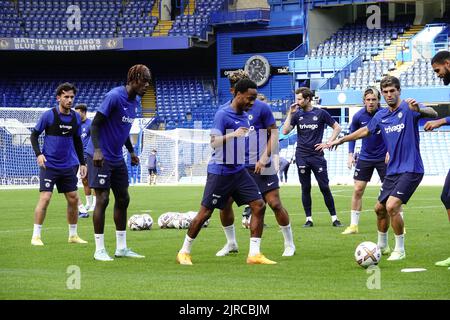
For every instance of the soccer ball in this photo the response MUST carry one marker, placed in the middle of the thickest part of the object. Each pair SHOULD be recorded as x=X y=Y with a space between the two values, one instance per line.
x=367 y=254
x=181 y=223
x=136 y=222
x=162 y=220
x=148 y=221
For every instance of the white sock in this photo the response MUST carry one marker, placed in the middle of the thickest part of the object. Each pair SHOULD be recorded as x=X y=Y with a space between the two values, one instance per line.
x=287 y=234
x=187 y=245
x=72 y=230
x=89 y=200
x=400 y=243
x=99 y=241
x=334 y=218
x=230 y=233
x=37 y=230
x=255 y=244
x=401 y=214
x=309 y=219
x=354 y=217
x=121 y=239
x=93 y=201
x=382 y=239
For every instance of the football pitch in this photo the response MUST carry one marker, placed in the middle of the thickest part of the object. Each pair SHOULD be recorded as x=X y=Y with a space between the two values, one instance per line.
x=323 y=267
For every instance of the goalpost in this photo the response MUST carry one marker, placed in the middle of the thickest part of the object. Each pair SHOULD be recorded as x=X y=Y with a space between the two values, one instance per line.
x=182 y=154
x=18 y=165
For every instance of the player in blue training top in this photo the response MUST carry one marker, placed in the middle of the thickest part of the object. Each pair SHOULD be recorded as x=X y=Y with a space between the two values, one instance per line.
x=85 y=136
x=372 y=155
x=59 y=160
x=227 y=176
x=110 y=131
x=263 y=136
x=400 y=132
x=441 y=65
x=310 y=122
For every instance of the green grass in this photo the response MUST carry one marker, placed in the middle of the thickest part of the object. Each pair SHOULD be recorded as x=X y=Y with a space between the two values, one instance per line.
x=323 y=268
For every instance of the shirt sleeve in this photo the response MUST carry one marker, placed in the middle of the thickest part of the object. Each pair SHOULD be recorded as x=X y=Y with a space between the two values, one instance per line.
x=267 y=117
x=447 y=119
x=79 y=124
x=218 y=128
x=294 y=119
x=353 y=127
x=373 y=125
x=327 y=118
x=45 y=120
x=108 y=104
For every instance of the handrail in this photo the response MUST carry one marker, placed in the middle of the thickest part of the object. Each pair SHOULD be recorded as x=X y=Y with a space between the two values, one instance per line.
x=343 y=73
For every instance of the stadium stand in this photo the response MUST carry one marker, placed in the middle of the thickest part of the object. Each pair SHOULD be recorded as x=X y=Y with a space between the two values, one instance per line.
x=420 y=74
x=354 y=39
x=38 y=90
x=198 y=23
x=184 y=100
x=101 y=19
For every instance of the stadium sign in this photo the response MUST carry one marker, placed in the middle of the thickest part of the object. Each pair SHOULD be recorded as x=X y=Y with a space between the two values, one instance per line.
x=60 y=44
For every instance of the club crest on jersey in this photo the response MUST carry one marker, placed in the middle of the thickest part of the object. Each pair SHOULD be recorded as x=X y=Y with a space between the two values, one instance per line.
x=315 y=118
x=400 y=115
x=250 y=117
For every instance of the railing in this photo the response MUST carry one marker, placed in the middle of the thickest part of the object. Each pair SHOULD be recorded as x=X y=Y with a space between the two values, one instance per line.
x=343 y=73
x=300 y=52
x=241 y=16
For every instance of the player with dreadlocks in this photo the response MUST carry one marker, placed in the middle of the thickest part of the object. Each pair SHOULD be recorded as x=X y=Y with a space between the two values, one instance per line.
x=110 y=130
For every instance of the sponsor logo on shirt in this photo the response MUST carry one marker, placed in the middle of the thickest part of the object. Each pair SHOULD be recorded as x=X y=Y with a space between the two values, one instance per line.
x=397 y=128
x=127 y=119
x=64 y=126
x=308 y=126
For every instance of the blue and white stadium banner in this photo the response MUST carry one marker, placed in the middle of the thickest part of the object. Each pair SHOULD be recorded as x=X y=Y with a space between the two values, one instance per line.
x=61 y=44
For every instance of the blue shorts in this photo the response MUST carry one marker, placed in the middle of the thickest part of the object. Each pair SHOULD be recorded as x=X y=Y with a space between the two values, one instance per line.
x=265 y=183
x=315 y=163
x=364 y=170
x=240 y=186
x=445 y=195
x=65 y=179
x=152 y=171
x=401 y=186
x=110 y=175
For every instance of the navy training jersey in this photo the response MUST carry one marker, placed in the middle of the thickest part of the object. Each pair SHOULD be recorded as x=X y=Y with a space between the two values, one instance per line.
x=230 y=157
x=120 y=112
x=59 y=149
x=85 y=133
x=373 y=147
x=310 y=127
x=400 y=131
x=260 y=117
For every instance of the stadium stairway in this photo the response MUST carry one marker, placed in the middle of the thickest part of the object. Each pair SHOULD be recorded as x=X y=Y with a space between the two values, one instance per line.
x=401 y=68
x=149 y=103
x=190 y=8
x=155 y=9
x=162 y=28
x=390 y=52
